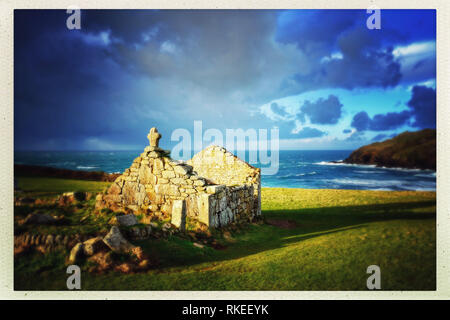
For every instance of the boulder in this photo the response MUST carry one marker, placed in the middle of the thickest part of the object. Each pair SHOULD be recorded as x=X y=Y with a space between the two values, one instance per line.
x=66 y=199
x=139 y=253
x=166 y=226
x=25 y=201
x=127 y=220
x=144 y=265
x=182 y=169
x=116 y=242
x=103 y=260
x=37 y=218
x=125 y=267
x=94 y=245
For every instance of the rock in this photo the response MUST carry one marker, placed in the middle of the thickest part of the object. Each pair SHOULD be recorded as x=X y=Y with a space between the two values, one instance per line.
x=127 y=220
x=37 y=218
x=166 y=227
x=116 y=242
x=25 y=201
x=166 y=209
x=39 y=202
x=215 y=188
x=50 y=240
x=26 y=239
x=154 y=225
x=182 y=169
x=93 y=245
x=42 y=249
x=199 y=183
x=59 y=239
x=168 y=174
x=198 y=245
x=139 y=253
x=124 y=267
x=153 y=138
x=20 y=249
x=66 y=199
x=80 y=195
x=115 y=189
x=65 y=241
x=103 y=260
x=76 y=253
x=144 y=264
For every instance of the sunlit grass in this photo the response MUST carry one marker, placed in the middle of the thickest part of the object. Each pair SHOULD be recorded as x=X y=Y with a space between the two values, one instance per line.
x=338 y=234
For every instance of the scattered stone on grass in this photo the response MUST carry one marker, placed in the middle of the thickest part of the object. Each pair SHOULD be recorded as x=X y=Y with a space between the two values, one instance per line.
x=103 y=260
x=139 y=233
x=116 y=242
x=198 y=245
x=38 y=218
x=93 y=246
x=125 y=267
x=127 y=220
x=139 y=253
x=76 y=253
x=144 y=265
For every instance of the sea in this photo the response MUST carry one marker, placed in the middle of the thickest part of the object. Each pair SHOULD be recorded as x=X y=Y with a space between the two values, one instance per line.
x=311 y=169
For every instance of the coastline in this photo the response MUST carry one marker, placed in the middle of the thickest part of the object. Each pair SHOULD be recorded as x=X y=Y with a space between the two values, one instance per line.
x=32 y=171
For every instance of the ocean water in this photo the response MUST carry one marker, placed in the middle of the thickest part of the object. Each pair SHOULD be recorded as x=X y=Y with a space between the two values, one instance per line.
x=310 y=169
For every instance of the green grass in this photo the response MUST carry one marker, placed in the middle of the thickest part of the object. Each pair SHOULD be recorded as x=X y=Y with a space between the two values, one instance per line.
x=49 y=187
x=339 y=233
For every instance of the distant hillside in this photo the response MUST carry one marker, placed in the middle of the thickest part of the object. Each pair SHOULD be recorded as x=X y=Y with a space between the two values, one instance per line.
x=39 y=171
x=412 y=150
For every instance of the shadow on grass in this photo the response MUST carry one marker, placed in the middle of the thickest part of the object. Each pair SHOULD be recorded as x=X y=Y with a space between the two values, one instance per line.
x=311 y=223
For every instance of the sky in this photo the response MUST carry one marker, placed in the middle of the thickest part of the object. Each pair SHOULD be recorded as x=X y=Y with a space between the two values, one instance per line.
x=321 y=77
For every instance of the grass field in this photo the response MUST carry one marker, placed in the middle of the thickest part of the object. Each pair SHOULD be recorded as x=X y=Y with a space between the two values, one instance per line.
x=334 y=236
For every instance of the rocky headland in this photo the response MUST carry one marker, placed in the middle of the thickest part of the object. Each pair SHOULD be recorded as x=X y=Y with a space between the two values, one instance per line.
x=410 y=150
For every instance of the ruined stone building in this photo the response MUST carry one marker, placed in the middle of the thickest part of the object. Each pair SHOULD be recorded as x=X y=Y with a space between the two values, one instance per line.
x=215 y=187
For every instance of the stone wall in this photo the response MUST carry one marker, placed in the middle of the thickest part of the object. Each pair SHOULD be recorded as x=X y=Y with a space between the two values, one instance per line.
x=159 y=186
x=219 y=166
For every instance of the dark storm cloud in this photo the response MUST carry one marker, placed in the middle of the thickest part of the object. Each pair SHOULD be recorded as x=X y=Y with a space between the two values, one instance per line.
x=380 y=122
x=423 y=107
x=127 y=70
x=421 y=114
x=322 y=111
x=308 y=132
x=389 y=121
x=361 y=121
x=317 y=33
x=362 y=63
x=366 y=56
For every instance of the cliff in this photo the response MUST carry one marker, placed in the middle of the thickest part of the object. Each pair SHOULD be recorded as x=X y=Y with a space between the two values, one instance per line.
x=412 y=150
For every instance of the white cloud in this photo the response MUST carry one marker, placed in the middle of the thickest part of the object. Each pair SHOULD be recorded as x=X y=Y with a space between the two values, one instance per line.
x=102 y=38
x=333 y=56
x=418 y=48
x=168 y=47
x=417 y=61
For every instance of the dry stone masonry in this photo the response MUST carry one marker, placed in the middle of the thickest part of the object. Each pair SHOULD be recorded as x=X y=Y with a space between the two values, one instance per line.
x=214 y=187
